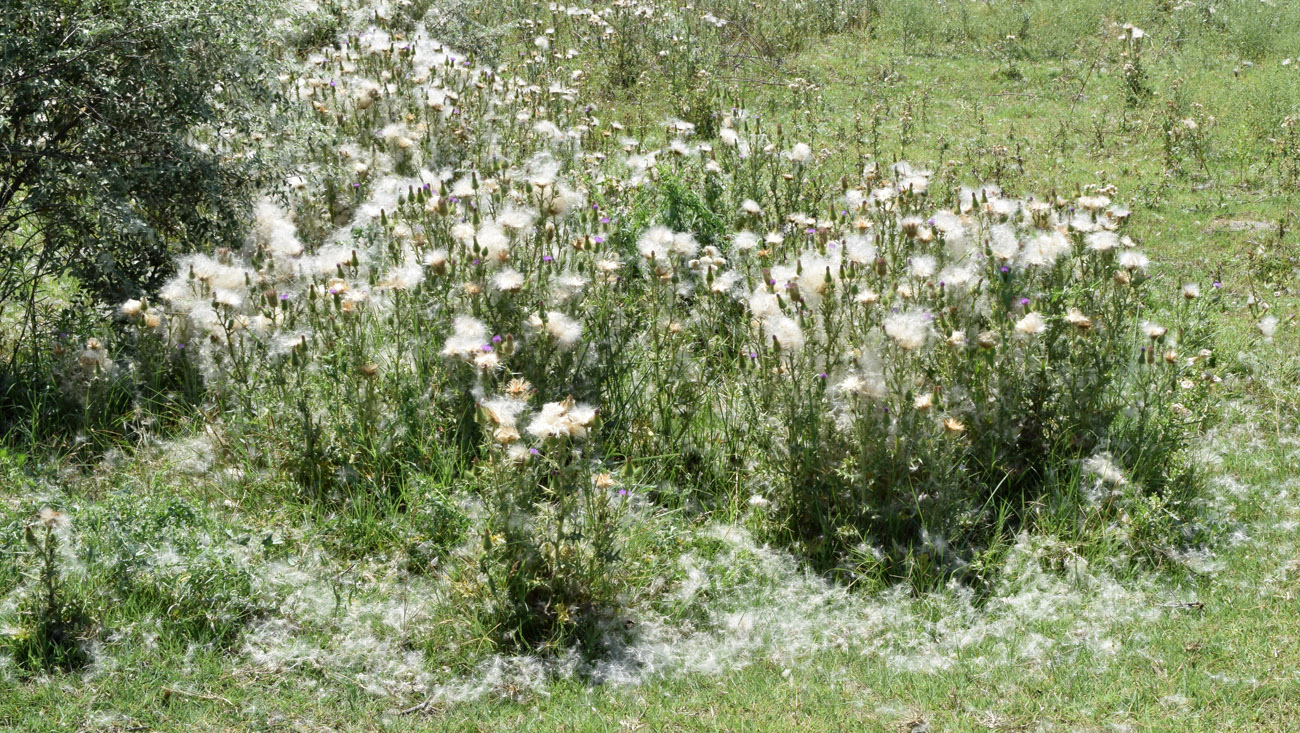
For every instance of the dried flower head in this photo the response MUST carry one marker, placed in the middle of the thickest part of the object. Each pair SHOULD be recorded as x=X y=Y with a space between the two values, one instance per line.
x=1076 y=318
x=53 y=520
x=1031 y=324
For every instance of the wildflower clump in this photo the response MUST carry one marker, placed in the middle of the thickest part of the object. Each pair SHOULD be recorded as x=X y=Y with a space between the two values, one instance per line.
x=469 y=259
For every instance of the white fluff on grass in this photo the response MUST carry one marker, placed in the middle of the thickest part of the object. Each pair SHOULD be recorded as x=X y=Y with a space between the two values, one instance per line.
x=748 y=603
x=759 y=604
x=1267 y=326
x=360 y=637
x=193 y=456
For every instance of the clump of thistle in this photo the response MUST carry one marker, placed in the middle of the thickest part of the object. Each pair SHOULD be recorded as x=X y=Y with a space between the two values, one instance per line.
x=53 y=629
x=899 y=363
x=551 y=536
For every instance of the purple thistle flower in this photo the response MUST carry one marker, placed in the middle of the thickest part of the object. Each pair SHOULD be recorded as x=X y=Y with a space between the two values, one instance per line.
x=496 y=339
x=547 y=258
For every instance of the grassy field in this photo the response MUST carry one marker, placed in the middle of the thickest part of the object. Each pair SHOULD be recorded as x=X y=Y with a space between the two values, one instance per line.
x=240 y=606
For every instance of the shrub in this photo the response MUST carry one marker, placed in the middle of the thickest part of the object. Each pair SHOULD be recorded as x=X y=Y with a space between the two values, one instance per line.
x=113 y=157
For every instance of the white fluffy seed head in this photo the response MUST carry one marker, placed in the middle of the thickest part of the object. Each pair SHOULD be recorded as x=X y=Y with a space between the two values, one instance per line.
x=1031 y=324
x=566 y=331
x=655 y=243
x=785 y=331
x=468 y=334
x=909 y=330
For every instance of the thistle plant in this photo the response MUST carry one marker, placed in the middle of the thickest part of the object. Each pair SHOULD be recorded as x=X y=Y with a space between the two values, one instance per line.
x=1284 y=151
x=1136 y=90
x=550 y=539
x=53 y=624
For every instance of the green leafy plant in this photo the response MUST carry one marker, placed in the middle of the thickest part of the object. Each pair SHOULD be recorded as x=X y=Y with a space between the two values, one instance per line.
x=54 y=628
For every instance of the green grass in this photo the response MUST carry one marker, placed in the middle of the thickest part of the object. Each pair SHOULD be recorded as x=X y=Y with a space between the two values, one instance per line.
x=1208 y=651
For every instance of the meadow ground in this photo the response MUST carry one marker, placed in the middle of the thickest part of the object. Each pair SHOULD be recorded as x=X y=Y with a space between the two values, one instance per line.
x=298 y=616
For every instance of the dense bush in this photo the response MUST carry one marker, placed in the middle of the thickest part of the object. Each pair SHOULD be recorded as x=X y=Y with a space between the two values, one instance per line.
x=117 y=120
x=115 y=115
